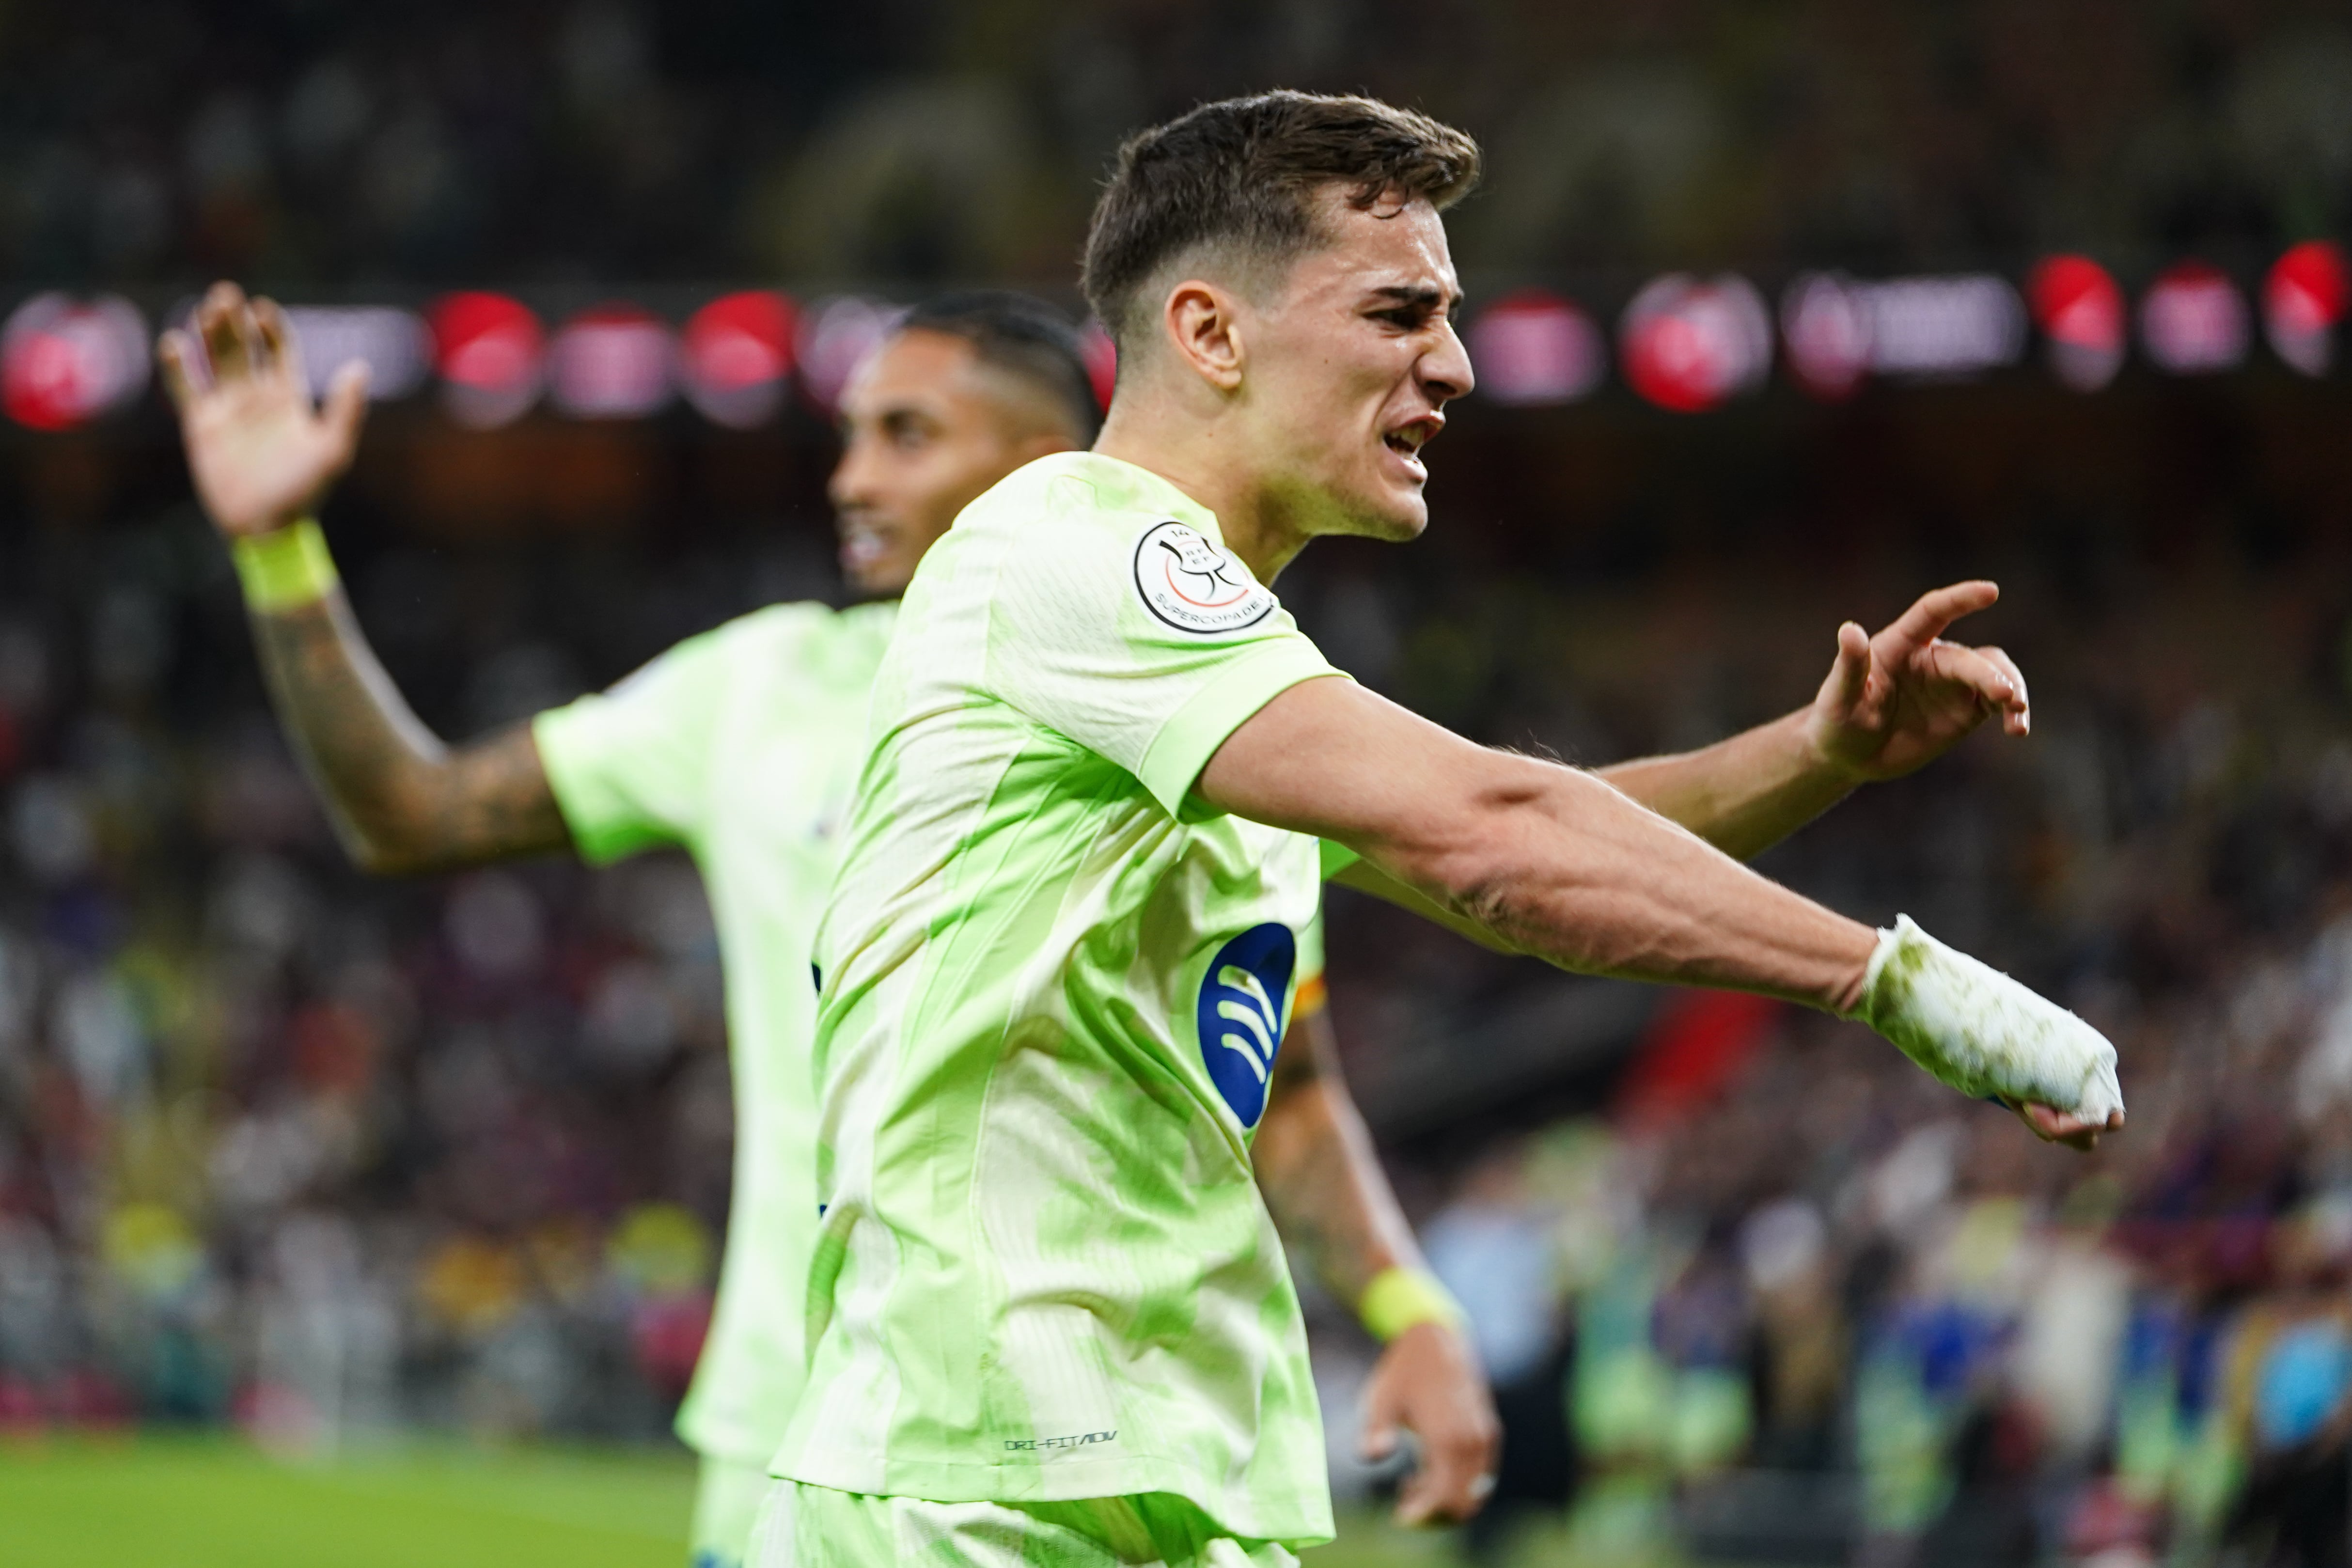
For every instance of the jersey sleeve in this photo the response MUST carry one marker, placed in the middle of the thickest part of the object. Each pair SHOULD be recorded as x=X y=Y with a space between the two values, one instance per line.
x=1336 y=856
x=1141 y=639
x=629 y=767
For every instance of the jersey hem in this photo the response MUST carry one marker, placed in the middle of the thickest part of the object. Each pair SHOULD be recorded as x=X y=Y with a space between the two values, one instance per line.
x=947 y=1480
x=708 y=1446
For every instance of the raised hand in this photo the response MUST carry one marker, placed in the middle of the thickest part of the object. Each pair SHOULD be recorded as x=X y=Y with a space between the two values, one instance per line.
x=262 y=454
x=1896 y=701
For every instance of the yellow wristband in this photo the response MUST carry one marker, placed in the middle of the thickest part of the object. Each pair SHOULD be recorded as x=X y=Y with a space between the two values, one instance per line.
x=1399 y=1299
x=286 y=569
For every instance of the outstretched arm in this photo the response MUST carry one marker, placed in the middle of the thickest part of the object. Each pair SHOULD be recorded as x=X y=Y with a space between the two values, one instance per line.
x=1554 y=862
x=1892 y=703
x=1324 y=1187
x=263 y=456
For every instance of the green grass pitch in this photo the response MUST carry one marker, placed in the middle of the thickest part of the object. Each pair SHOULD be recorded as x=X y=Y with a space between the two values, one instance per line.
x=213 y=1502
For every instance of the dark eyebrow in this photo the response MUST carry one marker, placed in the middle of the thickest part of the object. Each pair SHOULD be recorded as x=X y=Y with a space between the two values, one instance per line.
x=1426 y=295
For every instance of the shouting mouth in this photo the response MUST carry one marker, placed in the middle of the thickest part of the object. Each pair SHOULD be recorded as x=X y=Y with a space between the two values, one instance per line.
x=1407 y=440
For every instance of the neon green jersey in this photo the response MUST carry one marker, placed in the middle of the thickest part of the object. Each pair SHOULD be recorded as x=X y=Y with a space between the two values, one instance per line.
x=1053 y=987
x=741 y=744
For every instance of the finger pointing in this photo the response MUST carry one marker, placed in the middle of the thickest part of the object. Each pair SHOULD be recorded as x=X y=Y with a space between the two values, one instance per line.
x=1925 y=621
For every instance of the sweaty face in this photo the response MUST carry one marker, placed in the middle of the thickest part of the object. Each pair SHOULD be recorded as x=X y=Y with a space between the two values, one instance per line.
x=1350 y=362
x=925 y=428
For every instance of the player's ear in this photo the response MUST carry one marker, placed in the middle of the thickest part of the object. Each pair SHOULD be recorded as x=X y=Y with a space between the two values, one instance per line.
x=1203 y=326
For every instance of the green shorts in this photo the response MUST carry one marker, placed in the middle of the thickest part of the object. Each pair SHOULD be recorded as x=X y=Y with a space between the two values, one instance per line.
x=815 y=1527
x=726 y=1497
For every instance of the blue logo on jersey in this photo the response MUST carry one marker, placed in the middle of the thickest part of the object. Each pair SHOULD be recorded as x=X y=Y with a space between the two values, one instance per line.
x=1242 y=1001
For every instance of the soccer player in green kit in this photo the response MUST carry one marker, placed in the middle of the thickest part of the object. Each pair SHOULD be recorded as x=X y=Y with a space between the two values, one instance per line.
x=743 y=745
x=1050 y=1320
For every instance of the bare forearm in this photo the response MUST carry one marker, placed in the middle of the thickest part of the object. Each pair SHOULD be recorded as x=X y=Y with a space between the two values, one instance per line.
x=1744 y=794
x=1562 y=867
x=402 y=800
x=1552 y=861
x=1317 y=1167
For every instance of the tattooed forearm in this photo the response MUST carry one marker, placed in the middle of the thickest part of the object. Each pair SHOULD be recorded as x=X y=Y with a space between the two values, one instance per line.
x=1322 y=1181
x=402 y=800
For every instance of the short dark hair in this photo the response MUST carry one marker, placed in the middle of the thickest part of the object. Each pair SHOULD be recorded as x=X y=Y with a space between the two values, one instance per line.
x=1023 y=336
x=1245 y=172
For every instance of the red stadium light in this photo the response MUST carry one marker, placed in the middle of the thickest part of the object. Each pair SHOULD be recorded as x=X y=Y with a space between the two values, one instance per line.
x=2303 y=300
x=1102 y=361
x=1688 y=344
x=2081 y=312
x=393 y=344
x=64 y=362
x=835 y=337
x=2193 y=319
x=492 y=356
x=1534 y=347
x=612 y=362
x=734 y=355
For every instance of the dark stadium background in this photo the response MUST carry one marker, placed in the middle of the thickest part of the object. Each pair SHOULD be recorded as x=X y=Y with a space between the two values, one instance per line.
x=287 y=1152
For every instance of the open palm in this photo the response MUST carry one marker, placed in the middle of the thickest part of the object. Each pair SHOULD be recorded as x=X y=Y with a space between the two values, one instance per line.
x=1896 y=701
x=262 y=454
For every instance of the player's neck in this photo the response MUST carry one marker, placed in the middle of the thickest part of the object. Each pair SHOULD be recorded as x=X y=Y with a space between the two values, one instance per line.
x=1251 y=518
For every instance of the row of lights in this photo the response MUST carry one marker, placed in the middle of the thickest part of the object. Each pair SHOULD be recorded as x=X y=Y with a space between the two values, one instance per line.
x=1685 y=342
x=1689 y=343
x=64 y=362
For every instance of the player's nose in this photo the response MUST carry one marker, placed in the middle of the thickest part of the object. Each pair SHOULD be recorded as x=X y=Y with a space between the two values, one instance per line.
x=1444 y=371
x=852 y=480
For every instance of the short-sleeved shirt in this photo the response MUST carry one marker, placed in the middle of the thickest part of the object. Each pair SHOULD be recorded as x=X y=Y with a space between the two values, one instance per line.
x=1054 y=983
x=743 y=745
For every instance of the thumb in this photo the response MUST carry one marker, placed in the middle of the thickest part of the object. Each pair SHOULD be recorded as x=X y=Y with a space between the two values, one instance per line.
x=347 y=405
x=1850 y=677
x=1382 y=1422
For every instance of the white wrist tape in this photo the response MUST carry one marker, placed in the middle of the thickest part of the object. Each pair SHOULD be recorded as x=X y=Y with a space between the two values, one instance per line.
x=1973 y=1027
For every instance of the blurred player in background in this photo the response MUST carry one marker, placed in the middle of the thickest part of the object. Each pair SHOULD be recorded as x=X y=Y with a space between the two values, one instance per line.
x=743 y=745
x=1050 y=1322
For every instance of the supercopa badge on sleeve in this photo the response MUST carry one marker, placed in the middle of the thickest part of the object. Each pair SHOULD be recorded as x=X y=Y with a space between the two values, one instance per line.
x=1193 y=585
